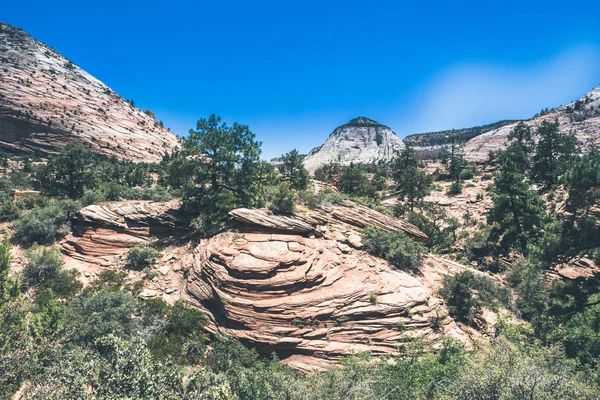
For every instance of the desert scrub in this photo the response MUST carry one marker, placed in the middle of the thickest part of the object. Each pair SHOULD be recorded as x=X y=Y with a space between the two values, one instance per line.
x=395 y=247
x=140 y=257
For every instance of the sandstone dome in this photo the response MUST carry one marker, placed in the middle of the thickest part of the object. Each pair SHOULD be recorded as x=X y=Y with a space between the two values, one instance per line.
x=361 y=140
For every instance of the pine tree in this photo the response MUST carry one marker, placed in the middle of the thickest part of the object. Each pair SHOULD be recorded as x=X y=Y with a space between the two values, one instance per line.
x=518 y=213
x=522 y=145
x=293 y=170
x=454 y=160
x=412 y=183
x=553 y=154
x=221 y=170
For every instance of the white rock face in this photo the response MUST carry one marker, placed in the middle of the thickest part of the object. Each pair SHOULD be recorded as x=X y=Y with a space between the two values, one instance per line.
x=47 y=101
x=360 y=141
x=582 y=117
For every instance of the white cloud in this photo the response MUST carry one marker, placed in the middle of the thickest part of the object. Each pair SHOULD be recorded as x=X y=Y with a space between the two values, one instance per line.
x=474 y=94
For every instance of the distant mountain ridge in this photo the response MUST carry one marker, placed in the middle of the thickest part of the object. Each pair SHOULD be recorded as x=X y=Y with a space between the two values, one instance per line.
x=582 y=117
x=46 y=101
x=428 y=145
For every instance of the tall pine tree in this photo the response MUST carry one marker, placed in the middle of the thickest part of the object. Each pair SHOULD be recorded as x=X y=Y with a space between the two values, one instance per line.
x=553 y=154
x=412 y=183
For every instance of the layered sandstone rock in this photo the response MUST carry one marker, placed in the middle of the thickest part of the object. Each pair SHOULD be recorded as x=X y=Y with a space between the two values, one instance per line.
x=105 y=232
x=360 y=141
x=340 y=222
x=46 y=101
x=311 y=300
x=312 y=297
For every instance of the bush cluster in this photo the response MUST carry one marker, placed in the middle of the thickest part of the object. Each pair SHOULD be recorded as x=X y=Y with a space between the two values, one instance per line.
x=396 y=247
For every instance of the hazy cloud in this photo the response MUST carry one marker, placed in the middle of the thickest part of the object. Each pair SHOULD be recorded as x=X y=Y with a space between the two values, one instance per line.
x=473 y=94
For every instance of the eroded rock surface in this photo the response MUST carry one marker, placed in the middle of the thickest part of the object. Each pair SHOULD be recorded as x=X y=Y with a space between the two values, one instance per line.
x=46 y=101
x=360 y=141
x=312 y=298
x=103 y=233
x=342 y=222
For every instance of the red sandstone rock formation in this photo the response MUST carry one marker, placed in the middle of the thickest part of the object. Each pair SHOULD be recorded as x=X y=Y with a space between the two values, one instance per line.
x=311 y=297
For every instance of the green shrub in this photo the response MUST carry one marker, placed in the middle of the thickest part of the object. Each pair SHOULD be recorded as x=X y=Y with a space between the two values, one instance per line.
x=395 y=247
x=44 y=225
x=469 y=172
x=43 y=270
x=140 y=257
x=373 y=298
x=43 y=264
x=354 y=182
x=102 y=313
x=454 y=189
x=465 y=293
x=322 y=198
x=283 y=199
x=462 y=303
x=9 y=211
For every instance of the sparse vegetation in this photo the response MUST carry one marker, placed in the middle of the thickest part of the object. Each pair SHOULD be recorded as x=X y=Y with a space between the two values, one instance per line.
x=396 y=247
x=141 y=257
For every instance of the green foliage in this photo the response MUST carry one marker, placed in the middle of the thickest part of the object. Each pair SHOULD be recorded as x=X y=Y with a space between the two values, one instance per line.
x=179 y=336
x=141 y=257
x=553 y=154
x=582 y=181
x=69 y=173
x=43 y=264
x=436 y=224
x=283 y=199
x=505 y=371
x=454 y=160
x=455 y=188
x=469 y=171
x=395 y=247
x=328 y=173
x=44 y=225
x=518 y=215
x=9 y=211
x=323 y=198
x=293 y=170
x=476 y=247
x=521 y=147
x=220 y=169
x=119 y=369
x=412 y=184
x=465 y=294
x=457 y=290
x=8 y=286
x=106 y=312
x=354 y=182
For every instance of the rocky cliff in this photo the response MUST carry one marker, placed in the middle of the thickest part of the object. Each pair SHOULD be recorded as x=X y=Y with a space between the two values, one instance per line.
x=46 y=101
x=359 y=141
x=300 y=286
x=582 y=117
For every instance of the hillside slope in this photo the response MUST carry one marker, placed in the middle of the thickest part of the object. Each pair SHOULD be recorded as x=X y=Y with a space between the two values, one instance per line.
x=46 y=101
x=582 y=117
x=429 y=145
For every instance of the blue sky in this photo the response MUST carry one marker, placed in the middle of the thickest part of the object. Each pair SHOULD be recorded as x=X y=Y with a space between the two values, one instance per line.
x=294 y=70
